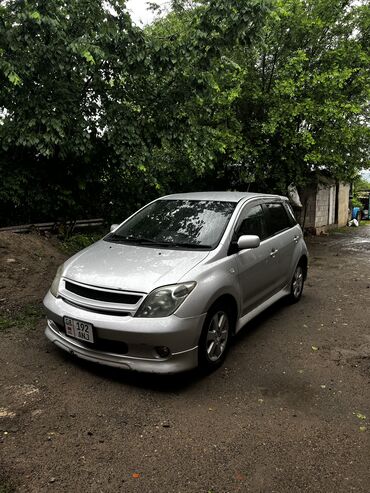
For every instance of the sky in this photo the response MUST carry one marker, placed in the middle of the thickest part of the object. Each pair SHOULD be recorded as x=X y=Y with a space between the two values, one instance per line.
x=366 y=174
x=139 y=12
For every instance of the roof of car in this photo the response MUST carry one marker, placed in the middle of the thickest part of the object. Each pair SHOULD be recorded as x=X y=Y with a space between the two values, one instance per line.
x=220 y=196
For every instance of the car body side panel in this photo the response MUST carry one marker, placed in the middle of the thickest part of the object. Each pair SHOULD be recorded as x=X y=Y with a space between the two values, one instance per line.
x=300 y=250
x=255 y=287
x=214 y=280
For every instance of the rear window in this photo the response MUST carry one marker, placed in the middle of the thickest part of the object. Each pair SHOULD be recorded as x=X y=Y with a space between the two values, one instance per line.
x=278 y=218
x=292 y=219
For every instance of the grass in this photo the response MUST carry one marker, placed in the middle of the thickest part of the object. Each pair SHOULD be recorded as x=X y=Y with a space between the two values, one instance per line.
x=6 y=485
x=24 y=318
x=78 y=242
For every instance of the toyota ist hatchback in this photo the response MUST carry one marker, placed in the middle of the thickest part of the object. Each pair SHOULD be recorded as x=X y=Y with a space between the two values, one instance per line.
x=166 y=290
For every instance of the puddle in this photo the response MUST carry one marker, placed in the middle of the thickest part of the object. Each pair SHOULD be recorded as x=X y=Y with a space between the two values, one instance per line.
x=357 y=244
x=360 y=240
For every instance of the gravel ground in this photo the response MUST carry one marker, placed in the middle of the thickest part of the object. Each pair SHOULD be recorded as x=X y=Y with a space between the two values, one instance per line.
x=288 y=412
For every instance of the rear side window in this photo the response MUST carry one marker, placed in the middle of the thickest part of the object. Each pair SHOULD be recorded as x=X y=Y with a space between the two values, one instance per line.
x=253 y=223
x=278 y=218
x=292 y=219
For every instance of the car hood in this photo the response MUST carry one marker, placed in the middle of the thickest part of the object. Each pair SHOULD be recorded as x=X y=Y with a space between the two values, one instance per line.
x=130 y=267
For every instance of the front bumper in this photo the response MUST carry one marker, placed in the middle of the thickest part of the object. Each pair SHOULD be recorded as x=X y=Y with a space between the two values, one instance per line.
x=140 y=335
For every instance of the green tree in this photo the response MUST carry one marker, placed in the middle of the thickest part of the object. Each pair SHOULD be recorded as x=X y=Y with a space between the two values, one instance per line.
x=97 y=111
x=304 y=106
x=98 y=115
x=59 y=63
x=274 y=107
x=196 y=87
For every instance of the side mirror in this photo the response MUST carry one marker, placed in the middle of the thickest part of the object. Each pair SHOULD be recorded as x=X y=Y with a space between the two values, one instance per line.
x=248 y=241
x=113 y=227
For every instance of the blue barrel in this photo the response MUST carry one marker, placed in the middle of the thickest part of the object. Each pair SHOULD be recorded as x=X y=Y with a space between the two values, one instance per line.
x=355 y=212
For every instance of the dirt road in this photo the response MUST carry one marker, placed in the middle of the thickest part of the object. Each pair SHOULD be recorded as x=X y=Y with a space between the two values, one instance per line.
x=288 y=412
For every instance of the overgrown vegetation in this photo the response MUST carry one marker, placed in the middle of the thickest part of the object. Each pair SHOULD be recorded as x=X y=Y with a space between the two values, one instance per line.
x=98 y=116
x=25 y=317
x=6 y=486
x=360 y=184
x=77 y=242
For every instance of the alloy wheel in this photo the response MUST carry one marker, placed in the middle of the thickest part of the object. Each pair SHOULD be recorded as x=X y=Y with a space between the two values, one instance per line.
x=297 y=284
x=217 y=336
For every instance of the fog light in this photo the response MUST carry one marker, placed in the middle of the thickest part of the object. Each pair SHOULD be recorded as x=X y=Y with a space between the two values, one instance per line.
x=163 y=351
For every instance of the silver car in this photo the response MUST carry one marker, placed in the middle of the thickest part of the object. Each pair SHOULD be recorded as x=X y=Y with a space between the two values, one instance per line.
x=166 y=290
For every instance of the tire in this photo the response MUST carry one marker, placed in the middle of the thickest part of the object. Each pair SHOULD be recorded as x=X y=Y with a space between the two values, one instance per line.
x=214 y=341
x=296 y=287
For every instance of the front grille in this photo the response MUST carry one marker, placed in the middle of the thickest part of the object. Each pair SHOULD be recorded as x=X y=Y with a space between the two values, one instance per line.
x=106 y=345
x=97 y=310
x=95 y=294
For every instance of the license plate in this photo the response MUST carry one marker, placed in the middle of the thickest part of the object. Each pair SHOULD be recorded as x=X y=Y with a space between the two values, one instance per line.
x=79 y=330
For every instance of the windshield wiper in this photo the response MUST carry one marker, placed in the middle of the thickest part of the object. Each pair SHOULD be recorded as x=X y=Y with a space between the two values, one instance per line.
x=148 y=241
x=132 y=239
x=115 y=237
x=169 y=244
x=190 y=245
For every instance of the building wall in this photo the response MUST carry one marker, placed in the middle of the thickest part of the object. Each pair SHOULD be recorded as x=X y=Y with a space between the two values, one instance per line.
x=343 y=203
x=332 y=204
x=322 y=206
x=307 y=214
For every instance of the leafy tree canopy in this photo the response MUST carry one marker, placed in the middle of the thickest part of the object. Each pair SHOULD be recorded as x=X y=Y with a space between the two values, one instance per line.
x=98 y=115
x=280 y=108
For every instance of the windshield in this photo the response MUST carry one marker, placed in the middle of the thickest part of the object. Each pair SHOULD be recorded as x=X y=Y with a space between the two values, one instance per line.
x=177 y=223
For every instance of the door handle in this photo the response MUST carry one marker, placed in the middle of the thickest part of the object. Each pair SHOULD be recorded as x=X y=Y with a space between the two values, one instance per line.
x=274 y=252
x=296 y=238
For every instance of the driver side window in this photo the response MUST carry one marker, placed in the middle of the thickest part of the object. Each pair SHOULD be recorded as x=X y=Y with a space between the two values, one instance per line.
x=252 y=223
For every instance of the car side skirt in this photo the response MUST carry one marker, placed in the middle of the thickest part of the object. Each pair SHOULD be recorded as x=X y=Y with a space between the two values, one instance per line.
x=260 y=308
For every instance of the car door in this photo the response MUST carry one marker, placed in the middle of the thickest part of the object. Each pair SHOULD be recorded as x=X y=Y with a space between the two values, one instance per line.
x=257 y=270
x=281 y=229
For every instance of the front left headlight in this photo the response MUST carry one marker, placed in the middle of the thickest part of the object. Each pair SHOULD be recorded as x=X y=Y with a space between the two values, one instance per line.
x=164 y=301
x=54 y=288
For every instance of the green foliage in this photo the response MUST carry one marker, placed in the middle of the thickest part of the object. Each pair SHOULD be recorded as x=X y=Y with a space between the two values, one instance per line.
x=356 y=202
x=284 y=102
x=98 y=116
x=77 y=242
x=59 y=65
x=6 y=486
x=25 y=318
x=197 y=86
x=360 y=183
x=313 y=77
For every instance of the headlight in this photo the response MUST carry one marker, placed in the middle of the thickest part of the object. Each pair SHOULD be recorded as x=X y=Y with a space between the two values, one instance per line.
x=163 y=301
x=55 y=286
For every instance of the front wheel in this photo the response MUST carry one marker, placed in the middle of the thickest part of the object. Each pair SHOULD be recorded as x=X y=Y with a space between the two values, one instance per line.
x=215 y=338
x=296 y=287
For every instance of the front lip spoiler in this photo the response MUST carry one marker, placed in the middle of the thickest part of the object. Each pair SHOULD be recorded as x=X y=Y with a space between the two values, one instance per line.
x=178 y=362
